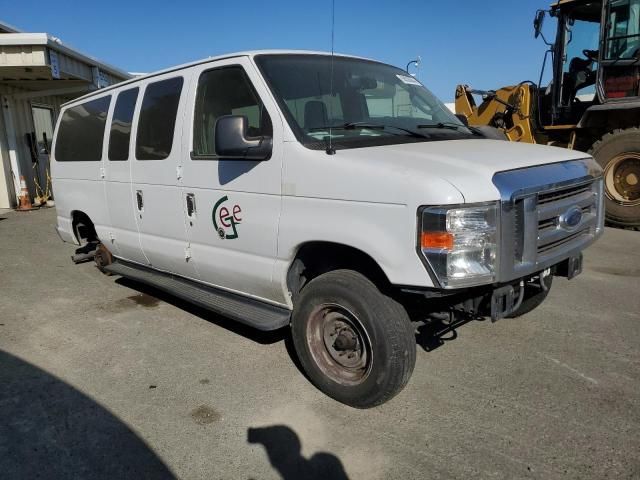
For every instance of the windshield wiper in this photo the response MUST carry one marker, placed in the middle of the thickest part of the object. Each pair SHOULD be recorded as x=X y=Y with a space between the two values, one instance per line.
x=358 y=125
x=452 y=126
x=379 y=126
x=348 y=126
x=368 y=126
x=441 y=126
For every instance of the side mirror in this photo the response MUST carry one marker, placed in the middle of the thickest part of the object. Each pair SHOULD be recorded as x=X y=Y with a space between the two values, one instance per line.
x=463 y=119
x=231 y=141
x=538 y=22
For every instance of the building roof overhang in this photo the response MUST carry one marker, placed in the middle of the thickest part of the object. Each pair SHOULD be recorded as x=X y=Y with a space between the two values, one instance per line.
x=44 y=65
x=27 y=41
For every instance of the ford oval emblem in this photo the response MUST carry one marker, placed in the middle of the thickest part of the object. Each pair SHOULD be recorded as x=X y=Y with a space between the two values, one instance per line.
x=571 y=218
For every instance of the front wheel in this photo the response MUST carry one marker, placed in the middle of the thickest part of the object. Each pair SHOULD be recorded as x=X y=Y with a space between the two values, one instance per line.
x=618 y=153
x=356 y=344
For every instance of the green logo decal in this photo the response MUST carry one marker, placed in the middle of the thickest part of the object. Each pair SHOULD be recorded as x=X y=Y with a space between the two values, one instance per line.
x=225 y=220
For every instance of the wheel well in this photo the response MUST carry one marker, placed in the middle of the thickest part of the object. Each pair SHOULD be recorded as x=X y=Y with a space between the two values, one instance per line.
x=83 y=227
x=315 y=258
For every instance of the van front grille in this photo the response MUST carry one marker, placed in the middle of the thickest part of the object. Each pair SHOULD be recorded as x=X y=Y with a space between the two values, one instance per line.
x=553 y=234
x=558 y=195
x=544 y=249
x=549 y=213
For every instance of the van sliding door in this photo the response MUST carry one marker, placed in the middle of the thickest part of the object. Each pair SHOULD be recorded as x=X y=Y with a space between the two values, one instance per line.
x=155 y=171
x=124 y=241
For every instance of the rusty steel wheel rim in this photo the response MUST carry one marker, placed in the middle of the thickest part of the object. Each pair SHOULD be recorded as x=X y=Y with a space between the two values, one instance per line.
x=339 y=344
x=622 y=179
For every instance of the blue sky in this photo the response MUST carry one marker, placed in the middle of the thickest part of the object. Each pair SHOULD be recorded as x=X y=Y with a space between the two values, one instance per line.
x=484 y=43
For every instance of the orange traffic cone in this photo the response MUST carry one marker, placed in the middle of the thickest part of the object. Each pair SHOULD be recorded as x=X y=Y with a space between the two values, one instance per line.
x=24 y=200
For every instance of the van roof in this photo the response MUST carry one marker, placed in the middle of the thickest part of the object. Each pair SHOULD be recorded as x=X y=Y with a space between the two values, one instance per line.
x=249 y=53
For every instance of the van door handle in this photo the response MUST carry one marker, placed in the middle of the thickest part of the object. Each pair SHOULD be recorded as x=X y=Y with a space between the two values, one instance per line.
x=139 y=200
x=191 y=205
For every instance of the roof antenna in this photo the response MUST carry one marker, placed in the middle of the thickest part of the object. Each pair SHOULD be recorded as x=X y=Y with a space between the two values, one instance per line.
x=330 y=150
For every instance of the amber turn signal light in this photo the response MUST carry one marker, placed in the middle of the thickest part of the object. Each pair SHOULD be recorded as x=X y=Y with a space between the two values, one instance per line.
x=436 y=240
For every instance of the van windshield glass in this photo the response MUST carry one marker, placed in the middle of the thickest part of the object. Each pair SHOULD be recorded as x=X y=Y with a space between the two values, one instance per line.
x=366 y=104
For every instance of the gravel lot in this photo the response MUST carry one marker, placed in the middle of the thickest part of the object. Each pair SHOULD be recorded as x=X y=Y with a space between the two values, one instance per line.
x=103 y=378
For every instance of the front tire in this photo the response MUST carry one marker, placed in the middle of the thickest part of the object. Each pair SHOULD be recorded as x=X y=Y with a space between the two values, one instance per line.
x=356 y=344
x=618 y=153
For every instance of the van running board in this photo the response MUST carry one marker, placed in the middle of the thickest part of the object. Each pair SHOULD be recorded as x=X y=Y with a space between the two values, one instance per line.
x=254 y=313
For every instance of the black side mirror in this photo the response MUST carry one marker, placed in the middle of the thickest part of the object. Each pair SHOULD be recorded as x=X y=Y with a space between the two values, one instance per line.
x=232 y=142
x=463 y=119
x=538 y=22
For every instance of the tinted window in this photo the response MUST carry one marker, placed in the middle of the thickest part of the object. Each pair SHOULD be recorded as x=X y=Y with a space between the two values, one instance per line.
x=226 y=91
x=158 y=119
x=81 y=132
x=120 y=135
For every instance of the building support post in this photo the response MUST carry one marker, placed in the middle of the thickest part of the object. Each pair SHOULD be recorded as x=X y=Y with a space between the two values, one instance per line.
x=7 y=111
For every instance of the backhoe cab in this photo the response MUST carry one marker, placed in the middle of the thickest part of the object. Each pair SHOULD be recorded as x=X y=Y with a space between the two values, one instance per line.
x=592 y=103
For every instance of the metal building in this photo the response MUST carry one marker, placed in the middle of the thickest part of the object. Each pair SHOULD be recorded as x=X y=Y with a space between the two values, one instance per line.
x=37 y=74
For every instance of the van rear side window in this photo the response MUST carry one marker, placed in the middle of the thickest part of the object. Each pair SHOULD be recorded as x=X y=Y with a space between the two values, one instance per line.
x=158 y=119
x=120 y=134
x=81 y=132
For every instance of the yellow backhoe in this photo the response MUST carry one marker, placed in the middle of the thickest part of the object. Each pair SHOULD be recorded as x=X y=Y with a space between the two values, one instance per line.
x=592 y=103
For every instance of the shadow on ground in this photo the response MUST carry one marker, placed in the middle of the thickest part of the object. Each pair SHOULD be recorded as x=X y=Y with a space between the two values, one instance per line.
x=48 y=429
x=260 y=337
x=437 y=333
x=283 y=448
x=429 y=336
x=263 y=338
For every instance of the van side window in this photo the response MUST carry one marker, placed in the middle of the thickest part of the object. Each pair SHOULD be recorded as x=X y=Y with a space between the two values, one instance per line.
x=120 y=134
x=158 y=119
x=226 y=91
x=81 y=132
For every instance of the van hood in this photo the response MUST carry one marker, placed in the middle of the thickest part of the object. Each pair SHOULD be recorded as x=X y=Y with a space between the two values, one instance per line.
x=468 y=165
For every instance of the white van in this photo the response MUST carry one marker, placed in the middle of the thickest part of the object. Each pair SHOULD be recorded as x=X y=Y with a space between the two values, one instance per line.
x=333 y=194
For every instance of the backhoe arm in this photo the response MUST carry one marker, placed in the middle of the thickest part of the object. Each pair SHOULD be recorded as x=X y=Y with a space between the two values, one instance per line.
x=508 y=109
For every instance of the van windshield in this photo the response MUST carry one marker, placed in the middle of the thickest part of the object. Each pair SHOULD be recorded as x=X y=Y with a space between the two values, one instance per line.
x=365 y=103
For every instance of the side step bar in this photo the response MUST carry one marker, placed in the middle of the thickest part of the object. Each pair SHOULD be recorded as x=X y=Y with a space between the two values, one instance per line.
x=254 y=313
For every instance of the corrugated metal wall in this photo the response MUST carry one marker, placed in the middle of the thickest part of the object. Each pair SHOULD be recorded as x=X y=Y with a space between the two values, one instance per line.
x=23 y=124
x=7 y=198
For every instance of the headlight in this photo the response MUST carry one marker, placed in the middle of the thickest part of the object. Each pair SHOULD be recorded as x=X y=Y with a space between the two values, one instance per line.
x=460 y=243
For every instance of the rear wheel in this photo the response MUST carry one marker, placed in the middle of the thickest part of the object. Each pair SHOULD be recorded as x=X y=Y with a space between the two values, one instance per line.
x=618 y=153
x=103 y=258
x=356 y=344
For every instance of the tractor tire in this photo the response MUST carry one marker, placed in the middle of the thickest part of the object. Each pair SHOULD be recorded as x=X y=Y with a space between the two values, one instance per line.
x=618 y=153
